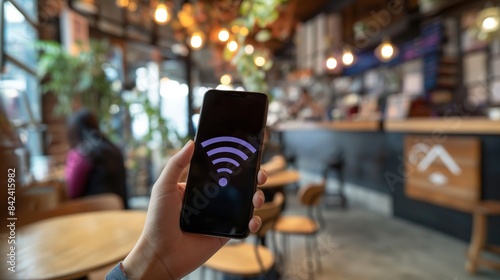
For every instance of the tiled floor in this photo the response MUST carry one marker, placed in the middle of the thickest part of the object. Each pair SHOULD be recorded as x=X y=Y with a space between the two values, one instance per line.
x=359 y=245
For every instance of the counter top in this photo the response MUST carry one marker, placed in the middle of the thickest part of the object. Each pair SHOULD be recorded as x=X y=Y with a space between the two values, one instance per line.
x=346 y=125
x=449 y=125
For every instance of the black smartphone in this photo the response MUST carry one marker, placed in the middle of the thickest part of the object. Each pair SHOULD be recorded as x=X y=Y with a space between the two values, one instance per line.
x=222 y=176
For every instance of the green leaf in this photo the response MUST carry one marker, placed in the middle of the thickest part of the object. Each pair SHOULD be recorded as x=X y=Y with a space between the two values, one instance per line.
x=245 y=7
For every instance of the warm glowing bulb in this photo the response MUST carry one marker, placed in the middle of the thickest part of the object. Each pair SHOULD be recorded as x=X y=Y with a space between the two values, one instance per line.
x=259 y=61
x=196 y=40
x=161 y=14
x=244 y=31
x=232 y=46
x=225 y=79
x=223 y=35
x=331 y=63
x=122 y=3
x=249 y=49
x=132 y=6
x=235 y=29
x=490 y=24
x=387 y=50
x=347 y=58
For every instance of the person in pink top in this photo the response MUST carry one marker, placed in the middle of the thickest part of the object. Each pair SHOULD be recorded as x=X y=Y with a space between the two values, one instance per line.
x=93 y=165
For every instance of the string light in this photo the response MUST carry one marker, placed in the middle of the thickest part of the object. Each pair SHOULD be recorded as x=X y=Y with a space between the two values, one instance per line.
x=223 y=35
x=249 y=49
x=235 y=29
x=226 y=79
x=122 y=3
x=232 y=46
x=331 y=63
x=196 y=40
x=243 y=31
x=162 y=15
x=259 y=61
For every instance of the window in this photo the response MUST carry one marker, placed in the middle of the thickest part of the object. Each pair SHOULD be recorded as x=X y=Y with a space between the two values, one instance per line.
x=19 y=85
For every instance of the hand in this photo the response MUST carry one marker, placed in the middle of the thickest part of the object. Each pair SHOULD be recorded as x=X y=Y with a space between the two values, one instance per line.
x=163 y=250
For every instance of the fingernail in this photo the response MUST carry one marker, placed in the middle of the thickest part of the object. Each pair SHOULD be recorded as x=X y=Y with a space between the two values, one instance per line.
x=187 y=144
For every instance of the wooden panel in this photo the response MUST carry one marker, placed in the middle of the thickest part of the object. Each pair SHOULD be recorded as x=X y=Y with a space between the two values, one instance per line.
x=450 y=125
x=445 y=173
x=361 y=125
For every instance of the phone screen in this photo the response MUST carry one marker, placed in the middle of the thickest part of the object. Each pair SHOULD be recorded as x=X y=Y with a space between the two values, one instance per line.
x=223 y=171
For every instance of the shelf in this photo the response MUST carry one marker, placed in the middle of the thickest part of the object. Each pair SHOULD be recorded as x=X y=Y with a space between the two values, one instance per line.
x=361 y=125
x=449 y=125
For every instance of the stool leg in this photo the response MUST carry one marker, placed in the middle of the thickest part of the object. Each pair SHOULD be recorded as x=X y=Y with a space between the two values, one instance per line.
x=285 y=256
x=310 y=263
x=478 y=242
x=318 y=258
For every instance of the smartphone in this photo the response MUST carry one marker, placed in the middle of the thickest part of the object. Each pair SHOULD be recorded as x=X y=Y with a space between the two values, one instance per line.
x=222 y=177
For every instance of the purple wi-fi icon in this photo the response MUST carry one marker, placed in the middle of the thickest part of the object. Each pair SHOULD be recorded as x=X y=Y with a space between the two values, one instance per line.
x=227 y=155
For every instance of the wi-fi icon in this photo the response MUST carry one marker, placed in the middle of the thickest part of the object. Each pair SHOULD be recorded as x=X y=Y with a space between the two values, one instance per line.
x=227 y=154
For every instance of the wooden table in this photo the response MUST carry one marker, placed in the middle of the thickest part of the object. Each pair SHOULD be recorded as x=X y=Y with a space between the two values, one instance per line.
x=281 y=179
x=71 y=246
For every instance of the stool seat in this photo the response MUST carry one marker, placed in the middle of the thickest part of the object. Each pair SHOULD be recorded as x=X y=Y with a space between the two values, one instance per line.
x=241 y=259
x=488 y=207
x=296 y=225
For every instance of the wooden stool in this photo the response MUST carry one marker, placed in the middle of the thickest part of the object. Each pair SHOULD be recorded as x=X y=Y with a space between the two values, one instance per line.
x=480 y=235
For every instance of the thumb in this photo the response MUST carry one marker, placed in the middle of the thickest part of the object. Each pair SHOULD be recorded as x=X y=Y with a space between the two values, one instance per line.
x=173 y=170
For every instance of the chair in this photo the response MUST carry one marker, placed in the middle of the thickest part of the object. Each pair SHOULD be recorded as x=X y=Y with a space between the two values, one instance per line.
x=479 y=238
x=244 y=259
x=99 y=202
x=339 y=198
x=310 y=196
x=41 y=196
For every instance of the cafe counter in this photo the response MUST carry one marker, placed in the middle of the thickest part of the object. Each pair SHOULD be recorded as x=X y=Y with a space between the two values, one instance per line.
x=428 y=171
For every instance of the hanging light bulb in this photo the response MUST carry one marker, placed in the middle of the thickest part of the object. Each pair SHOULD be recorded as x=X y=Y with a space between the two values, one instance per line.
x=259 y=61
x=122 y=3
x=162 y=16
x=232 y=46
x=488 y=20
x=386 y=51
x=196 y=40
x=331 y=63
x=223 y=35
x=226 y=79
x=132 y=6
x=347 y=57
x=489 y=24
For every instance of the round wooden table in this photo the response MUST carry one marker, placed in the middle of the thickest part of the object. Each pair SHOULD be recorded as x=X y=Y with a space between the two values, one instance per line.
x=71 y=246
x=280 y=179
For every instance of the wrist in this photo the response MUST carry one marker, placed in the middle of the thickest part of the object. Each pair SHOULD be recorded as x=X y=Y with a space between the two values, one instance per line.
x=143 y=263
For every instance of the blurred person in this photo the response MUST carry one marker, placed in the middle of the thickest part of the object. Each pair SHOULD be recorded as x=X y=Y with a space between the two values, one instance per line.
x=163 y=251
x=306 y=108
x=94 y=165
